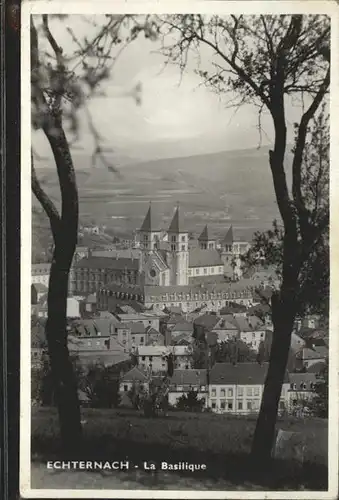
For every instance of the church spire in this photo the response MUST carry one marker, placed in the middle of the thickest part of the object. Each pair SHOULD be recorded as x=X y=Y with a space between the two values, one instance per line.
x=147 y=224
x=176 y=225
x=204 y=234
x=229 y=239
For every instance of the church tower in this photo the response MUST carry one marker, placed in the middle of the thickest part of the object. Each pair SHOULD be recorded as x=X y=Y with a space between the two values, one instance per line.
x=148 y=236
x=178 y=241
x=204 y=240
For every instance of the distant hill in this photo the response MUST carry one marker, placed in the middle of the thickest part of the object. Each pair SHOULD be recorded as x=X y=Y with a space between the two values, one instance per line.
x=219 y=189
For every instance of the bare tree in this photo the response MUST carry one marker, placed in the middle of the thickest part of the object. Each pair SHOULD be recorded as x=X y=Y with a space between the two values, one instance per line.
x=57 y=94
x=266 y=61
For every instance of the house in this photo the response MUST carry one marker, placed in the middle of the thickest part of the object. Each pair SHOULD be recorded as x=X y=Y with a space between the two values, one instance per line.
x=40 y=273
x=73 y=308
x=38 y=290
x=182 y=355
x=153 y=358
x=101 y=327
x=306 y=357
x=300 y=392
x=153 y=337
x=182 y=340
x=252 y=332
x=239 y=388
x=131 y=335
x=135 y=376
x=182 y=328
x=147 y=318
x=184 y=381
x=88 y=306
x=225 y=330
x=204 y=324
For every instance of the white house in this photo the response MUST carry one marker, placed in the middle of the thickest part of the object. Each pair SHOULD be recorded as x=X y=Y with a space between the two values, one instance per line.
x=184 y=381
x=239 y=388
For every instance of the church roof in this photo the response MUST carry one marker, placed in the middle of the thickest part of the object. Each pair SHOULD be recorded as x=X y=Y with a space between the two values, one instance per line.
x=176 y=225
x=147 y=224
x=229 y=238
x=204 y=258
x=204 y=234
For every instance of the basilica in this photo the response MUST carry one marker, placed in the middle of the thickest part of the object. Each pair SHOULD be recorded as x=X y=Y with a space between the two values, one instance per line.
x=161 y=258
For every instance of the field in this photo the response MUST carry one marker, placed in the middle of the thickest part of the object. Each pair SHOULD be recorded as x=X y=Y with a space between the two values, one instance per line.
x=221 y=442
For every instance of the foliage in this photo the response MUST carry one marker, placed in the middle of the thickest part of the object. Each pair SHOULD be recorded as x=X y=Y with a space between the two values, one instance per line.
x=190 y=402
x=41 y=384
x=100 y=385
x=234 y=351
x=266 y=61
x=320 y=401
x=137 y=395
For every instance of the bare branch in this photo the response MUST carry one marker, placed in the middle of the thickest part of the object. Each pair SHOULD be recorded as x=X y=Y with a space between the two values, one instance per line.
x=298 y=155
x=45 y=201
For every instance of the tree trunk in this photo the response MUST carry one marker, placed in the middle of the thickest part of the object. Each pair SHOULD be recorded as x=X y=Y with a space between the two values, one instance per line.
x=63 y=376
x=263 y=439
x=65 y=233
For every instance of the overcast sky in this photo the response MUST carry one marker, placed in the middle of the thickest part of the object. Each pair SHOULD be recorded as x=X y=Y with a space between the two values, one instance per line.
x=176 y=117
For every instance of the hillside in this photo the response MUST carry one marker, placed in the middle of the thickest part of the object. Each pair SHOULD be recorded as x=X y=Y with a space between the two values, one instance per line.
x=219 y=189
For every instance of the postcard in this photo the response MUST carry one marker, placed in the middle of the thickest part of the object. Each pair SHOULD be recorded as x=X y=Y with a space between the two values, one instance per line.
x=178 y=318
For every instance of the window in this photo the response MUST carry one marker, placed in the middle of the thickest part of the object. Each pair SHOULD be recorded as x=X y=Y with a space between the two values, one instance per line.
x=256 y=391
x=89 y=343
x=213 y=405
x=220 y=269
x=230 y=393
x=98 y=342
x=173 y=238
x=173 y=247
x=230 y=405
x=222 y=393
x=182 y=248
x=213 y=393
x=197 y=271
x=240 y=392
x=212 y=270
x=222 y=405
x=141 y=340
x=249 y=405
x=249 y=391
x=205 y=270
x=125 y=388
x=239 y=405
x=183 y=238
x=143 y=358
x=150 y=358
x=203 y=388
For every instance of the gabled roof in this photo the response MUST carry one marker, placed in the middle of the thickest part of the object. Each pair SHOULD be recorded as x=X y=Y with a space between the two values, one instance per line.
x=316 y=367
x=189 y=377
x=134 y=375
x=115 y=263
x=204 y=235
x=241 y=374
x=40 y=287
x=204 y=258
x=302 y=378
x=176 y=225
x=183 y=326
x=207 y=320
x=229 y=238
x=307 y=353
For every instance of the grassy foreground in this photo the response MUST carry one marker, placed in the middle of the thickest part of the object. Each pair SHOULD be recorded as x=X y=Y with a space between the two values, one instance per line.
x=222 y=442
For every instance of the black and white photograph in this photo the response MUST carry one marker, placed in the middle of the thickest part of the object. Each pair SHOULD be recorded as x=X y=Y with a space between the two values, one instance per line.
x=178 y=329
